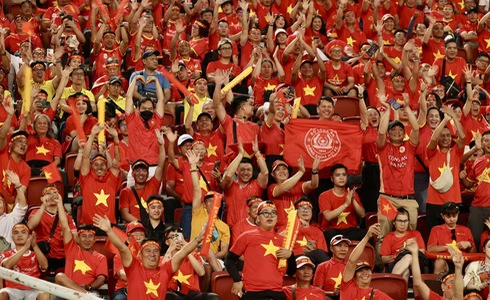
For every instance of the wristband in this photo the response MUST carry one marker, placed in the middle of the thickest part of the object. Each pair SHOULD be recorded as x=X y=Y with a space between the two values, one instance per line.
x=195 y=170
x=315 y=172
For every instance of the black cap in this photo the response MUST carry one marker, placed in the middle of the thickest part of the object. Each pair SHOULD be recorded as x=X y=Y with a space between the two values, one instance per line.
x=19 y=133
x=140 y=164
x=150 y=53
x=204 y=114
x=395 y=123
x=182 y=65
x=115 y=79
x=38 y=62
x=473 y=9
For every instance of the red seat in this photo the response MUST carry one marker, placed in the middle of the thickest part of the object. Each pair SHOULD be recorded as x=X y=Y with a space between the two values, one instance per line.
x=391 y=284
x=367 y=255
x=99 y=246
x=433 y=282
x=168 y=119
x=463 y=219
x=352 y=120
x=221 y=284
x=371 y=218
x=70 y=169
x=347 y=106
x=35 y=189
x=422 y=226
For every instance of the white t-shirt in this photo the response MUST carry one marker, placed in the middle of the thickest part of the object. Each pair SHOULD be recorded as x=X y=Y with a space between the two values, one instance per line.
x=7 y=222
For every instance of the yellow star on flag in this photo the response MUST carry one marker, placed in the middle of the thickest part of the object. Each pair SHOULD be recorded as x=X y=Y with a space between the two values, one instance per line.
x=444 y=166
x=438 y=55
x=101 y=198
x=483 y=177
x=342 y=217
x=143 y=202
x=452 y=75
x=270 y=248
x=386 y=207
x=5 y=179
x=47 y=175
x=81 y=266
x=182 y=278
x=290 y=208
x=151 y=288
x=397 y=60
x=42 y=150
x=270 y=86
x=202 y=183
x=302 y=242
x=289 y=9
x=351 y=41
x=337 y=279
x=212 y=150
x=309 y=91
x=454 y=245
x=461 y=4
x=474 y=133
x=488 y=42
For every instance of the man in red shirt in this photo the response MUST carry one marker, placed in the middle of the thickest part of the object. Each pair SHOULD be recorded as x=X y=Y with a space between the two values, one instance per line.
x=452 y=283
x=225 y=61
x=287 y=189
x=433 y=42
x=328 y=274
x=85 y=269
x=472 y=120
x=341 y=207
x=236 y=191
x=455 y=65
x=261 y=249
x=248 y=223
x=469 y=34
x=396 y=164
x=147 y=277
x=105 y=46
x=132 y=200
x=25 y=261
x=303 y=287
x=356 y=278
x=42 y=221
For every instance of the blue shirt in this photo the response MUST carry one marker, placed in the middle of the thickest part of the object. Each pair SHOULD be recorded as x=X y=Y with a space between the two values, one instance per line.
x=151 y=87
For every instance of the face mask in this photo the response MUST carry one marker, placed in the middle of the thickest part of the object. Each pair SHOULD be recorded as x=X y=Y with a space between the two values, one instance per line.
x=146 y=115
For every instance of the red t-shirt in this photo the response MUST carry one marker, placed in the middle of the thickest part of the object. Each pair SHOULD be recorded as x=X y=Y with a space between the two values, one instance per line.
x=425 y=134
x=312 y=292
x=40 y=148
x=87 y=125
x=454 y=69
x=310 y=90
x=127 y=199
x=441 y=235
x=273 y=138
x=391 y=243
x=28 y=265
x=241 y=227
x=173 y=175
x=338 y=77
x=328 y=275
x=472 y=126
x=245 y=131
x=218 y=65
x=100 y=59
x=99 y=196
x=483 y=37
x=369 y=146
x=329 y=201
x=434 y=296
x=215 y=143
x=186 y=279
x=354 y=39
x=258 y=248
x=7 y=189
x=479 y=174
x=437 y=164
x=351 y=291
x=191 y=65
x=310 y=233
x=285 y=202
x=148 y=283
x=142 y=143
x=12 y=42
x=433 y=50
x=43 y=231
x=406 y=13
x=199 y=47
x=396 y=164
x=261 y=86
x=83 y=266
x=206 y=169
x=235 y=197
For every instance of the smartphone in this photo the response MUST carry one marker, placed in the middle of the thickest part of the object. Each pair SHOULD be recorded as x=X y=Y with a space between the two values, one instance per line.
x=372 y=50
x=394 y=104
x=217 y=164
x=43 y=104
x=50 y=52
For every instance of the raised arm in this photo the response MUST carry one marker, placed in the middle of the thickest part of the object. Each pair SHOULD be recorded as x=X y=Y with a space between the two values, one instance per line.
x=220 y=79
x=229 y=175
x=63 y=219
x=383 y=123
x=161 y=155
x=414 y=134
x=197 y=195
x=4 y=130
x=263 y=177
x=172 y=137
x=291 y=181
x=85 y=167
x=104 y=224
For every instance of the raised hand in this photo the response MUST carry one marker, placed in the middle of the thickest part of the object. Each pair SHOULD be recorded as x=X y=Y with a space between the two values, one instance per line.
x=255 y=145
x=374 y=230
x=301 y=164
x=96 y=129
x=171 y=136
x=102 y=223
x=13 y=177
x=159 y=135
x=192 y=157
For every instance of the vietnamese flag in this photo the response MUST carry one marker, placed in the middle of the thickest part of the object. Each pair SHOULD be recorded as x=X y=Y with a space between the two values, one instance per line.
x=28 y=28
x=386 y=208
x=330 y=142
x=109 y=246
x=52 y=173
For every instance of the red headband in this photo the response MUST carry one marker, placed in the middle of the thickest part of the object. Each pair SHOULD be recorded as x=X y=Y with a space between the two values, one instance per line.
x=21 y=226
x=149 y=243
x=49 y=189
x=80 y=231
x=308 y=203
x=265 y=204
x=200 y=24
x=153 y=201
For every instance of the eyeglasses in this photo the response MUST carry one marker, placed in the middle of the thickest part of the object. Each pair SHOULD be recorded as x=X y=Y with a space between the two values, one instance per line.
x=38 y=70
x=401 y=221
x=304 y=208
x=225 y=48
x=453 y=234
x=483 y=61
x=269 y=214
x=79 y=74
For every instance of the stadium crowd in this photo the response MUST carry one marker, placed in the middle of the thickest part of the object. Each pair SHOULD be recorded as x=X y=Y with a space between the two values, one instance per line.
x=314 y=144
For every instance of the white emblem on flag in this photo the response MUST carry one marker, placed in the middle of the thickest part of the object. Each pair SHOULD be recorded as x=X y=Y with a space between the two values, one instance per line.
x=322 y=143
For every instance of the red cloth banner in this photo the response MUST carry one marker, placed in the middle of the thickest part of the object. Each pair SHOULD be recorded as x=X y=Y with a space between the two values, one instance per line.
x=331 y=142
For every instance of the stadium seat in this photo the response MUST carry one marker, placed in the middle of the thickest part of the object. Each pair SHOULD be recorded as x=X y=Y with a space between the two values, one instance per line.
x=433 y=282
x=371 y=218
x=422 y=226
x=352 y=120
x=463 y=219
x=221 y=284
x=35 y=188
x=69 y=168
x=177 y=214
x=391 y=284
x=99 y=246
x=347 y=106
x=367 y=254
x=168 y=119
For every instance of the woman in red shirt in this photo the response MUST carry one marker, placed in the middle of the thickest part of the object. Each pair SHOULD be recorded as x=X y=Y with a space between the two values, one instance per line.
x=88 y=121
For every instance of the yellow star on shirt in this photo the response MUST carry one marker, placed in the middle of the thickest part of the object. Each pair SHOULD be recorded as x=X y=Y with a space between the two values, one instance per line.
x=81 y=266
x=182 y=278
x=488 y=42
x=47 y=175
x=270 y=86
x=5 y=179
x=212 y=150
x=101 y=198
x=302 y=242
x=461 y=4
x=483 y=177
x=397 y=60
x=42 y=150
x=438 y=55
x=474 y=133
x=451 y=74
x=309 y=91
x=342 y=217
x=351 y=41
x=444 y=166
x=151 y=288
x=270 y=248
x=290 y=208
x=454 y=245
x=202 y=184
x=336 y=80
x=143 y=202
x=337 y=279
